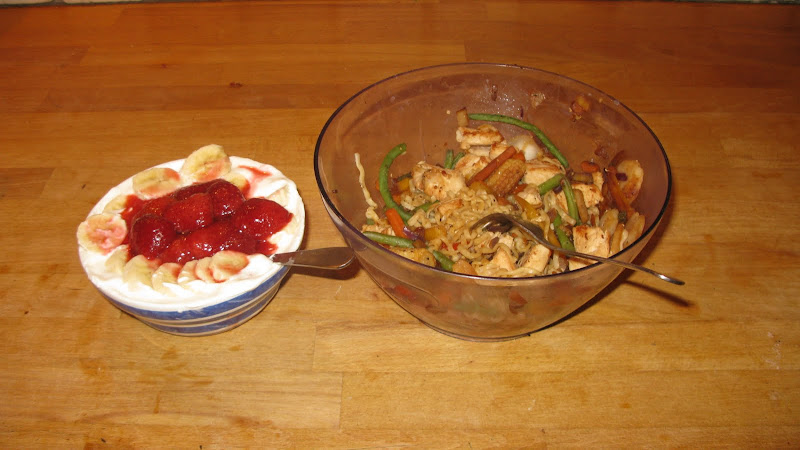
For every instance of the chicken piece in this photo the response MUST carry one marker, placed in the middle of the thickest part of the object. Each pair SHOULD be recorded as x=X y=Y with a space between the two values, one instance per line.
x=591 y=195
x=484 y=135
x=631 y=183
x=503 y=180
x=470 y=164
x=420 y=255
x=591 y=240
x=497 y=149
x=536 y=258
x=436 y=182
x=463 y=266
x=597 y=178
x=531 y=195
x=537 y=172
x=503 y=259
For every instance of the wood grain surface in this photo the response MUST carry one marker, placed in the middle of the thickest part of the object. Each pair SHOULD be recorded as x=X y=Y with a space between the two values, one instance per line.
x=90 y=95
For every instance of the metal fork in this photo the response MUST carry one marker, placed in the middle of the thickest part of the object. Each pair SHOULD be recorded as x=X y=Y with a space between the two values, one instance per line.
x=504 y=222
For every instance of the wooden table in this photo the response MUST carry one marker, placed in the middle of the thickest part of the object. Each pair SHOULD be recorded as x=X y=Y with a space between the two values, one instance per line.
x=92 y=94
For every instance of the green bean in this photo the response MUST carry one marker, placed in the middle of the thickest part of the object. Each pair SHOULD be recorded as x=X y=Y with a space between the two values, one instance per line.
x=387 y=239
x=444 y=261
x=383 y=181
x=550 y=184
x=426 y=206
x=448 y=159
x=525 y=125
x=457 y=157
x=572 y=205
x=563 y=239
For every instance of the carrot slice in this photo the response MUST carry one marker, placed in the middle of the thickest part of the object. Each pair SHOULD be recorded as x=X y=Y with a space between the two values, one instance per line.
x=590 y=167
x=493 y=165
x=396 y=222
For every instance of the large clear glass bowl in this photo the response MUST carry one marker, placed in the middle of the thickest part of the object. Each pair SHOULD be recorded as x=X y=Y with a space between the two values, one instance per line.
x=418 y=108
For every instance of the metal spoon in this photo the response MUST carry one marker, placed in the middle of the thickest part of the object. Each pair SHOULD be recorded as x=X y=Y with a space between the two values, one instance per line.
x=332 y=258
x=504 y=222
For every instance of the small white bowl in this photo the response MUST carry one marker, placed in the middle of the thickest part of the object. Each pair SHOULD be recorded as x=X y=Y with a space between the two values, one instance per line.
x=199 y=308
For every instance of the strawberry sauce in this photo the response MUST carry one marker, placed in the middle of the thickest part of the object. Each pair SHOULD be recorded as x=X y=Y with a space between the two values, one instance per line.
x=200 y=220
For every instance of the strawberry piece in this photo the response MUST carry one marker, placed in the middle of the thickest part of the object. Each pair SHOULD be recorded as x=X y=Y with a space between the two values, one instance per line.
x=226 y=197
x=191 y=213
x=180 y=251
x=260 y=218
x=188 y=191
x=150 y=235
x=155 y=206
x=217 y=237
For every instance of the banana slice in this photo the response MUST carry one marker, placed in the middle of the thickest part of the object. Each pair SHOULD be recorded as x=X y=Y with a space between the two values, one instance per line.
x=238 y=180
x=203 y=270
x=165 y=276
x=117 y=204
x=117 y=260
x=139 y=270
x=187 y=274
x=155 y=182
x=102 y=232
x=227 y=263
x=206 y=164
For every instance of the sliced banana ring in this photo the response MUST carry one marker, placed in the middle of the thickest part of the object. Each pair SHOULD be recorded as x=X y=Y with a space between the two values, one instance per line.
x=227 y=263
x=155 y=182
x=102 y=232
x=139 y=270
x=205 y=164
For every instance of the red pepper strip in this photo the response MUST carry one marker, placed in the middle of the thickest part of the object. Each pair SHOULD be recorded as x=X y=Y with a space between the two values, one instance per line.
x=493 y=165
x=616 y=191
x=396 y=222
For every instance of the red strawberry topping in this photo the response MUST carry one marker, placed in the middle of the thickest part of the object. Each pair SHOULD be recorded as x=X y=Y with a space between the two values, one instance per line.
x=226 y=198
x=261 y=218
x=180 y=251
x=191 y=213
x=150 y=235
x=188 y=191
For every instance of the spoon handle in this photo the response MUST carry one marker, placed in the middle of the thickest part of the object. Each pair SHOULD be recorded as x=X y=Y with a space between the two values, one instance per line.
x=332 y=258
x=621 y=263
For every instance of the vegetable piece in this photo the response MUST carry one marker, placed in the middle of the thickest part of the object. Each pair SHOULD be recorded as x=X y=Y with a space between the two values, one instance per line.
x=444 y=261
x=426 y=206
x=462 y=117
x=448 y=159
x=434 y=232
x=527 y=126
x=396 y=222
x=528 y=210
x=403 y=185
x=493 y=165
x=572 y=206
x=550 y=184
x=590 y=167
x=456 y=158
x=506 y=177
x=616 y=192
x=563 y=239
x=386 y=239
x=581 y=202
x=383 y=181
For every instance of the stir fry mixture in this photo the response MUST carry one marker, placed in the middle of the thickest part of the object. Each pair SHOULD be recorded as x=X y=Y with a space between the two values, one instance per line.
x=428 y=212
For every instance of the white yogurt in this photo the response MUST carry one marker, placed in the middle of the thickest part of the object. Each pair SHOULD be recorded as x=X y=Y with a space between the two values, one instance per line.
x=199 y=294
